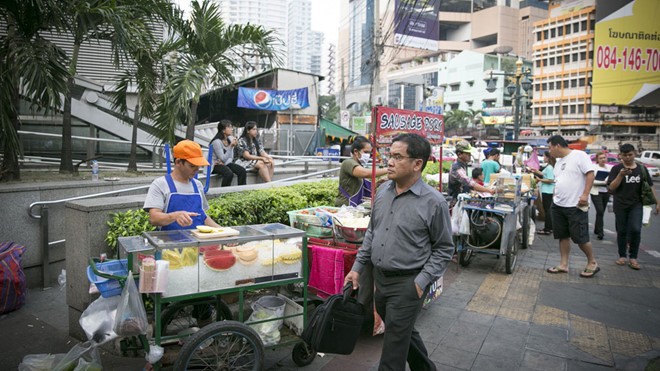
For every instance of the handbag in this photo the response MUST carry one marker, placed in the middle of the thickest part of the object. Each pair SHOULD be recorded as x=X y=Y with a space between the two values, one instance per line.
x=648 y=198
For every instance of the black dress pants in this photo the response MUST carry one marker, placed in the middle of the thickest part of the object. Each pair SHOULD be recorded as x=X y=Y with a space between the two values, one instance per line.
x=227 y=173
x=398 y=305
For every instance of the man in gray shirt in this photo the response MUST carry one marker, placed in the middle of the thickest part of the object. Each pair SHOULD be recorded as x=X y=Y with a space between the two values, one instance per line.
x=409 y=244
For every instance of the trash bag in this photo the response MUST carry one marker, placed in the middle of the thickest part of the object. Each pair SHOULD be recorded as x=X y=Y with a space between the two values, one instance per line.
x=40 y=362
x=12 y=279
x=98 y=319
x=131 y=318
x=268 y=307
x=87 y=352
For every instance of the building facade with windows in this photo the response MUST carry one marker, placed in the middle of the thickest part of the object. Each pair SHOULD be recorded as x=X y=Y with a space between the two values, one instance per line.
x=563 y=61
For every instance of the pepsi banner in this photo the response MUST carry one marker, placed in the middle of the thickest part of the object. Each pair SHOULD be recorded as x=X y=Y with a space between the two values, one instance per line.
x=273 y=100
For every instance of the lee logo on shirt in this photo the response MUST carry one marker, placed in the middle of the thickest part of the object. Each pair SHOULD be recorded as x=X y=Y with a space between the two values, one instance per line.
x=633 y=179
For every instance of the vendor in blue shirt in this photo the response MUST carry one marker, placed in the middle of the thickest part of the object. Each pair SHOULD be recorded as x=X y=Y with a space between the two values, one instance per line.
x=491 y=164
x=176 y=200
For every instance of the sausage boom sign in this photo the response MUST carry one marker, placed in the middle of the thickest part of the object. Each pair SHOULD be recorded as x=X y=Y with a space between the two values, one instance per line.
x=390 y=122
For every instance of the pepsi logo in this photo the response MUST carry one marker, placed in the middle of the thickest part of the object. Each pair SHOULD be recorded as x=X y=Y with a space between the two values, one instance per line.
x=262 y=99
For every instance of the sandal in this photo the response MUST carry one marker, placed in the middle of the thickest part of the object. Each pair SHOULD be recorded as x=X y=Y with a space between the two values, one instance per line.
x=543 y=232
x=620 y=261
x=557 y=269
x=634 y=266
x=588 y=273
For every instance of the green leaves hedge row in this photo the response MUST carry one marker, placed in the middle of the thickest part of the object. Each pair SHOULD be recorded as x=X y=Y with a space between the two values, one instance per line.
x=239 y=208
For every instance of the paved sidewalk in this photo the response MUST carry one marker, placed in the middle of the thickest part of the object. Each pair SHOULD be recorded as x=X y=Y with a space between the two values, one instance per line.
x=484 y=320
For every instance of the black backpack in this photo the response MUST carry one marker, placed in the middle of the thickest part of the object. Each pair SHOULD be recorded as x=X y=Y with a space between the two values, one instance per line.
x=335 y=325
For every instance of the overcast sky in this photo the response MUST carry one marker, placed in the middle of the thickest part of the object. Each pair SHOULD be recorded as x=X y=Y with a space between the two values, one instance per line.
x=325 y=17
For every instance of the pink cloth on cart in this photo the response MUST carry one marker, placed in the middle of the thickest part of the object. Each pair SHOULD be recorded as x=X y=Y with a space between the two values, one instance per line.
x=327 y=272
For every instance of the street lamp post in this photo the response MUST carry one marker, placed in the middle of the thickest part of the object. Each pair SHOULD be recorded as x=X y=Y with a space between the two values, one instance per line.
x=521 y=84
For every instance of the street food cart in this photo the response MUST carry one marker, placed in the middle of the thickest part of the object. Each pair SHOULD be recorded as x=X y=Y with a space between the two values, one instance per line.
x=496 y=225
x=204 y=266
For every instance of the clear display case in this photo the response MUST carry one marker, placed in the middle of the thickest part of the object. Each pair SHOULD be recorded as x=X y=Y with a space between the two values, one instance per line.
x=258 y=254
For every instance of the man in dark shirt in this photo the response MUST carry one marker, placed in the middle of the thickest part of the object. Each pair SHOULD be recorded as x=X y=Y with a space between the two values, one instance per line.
x=625 y=182
x=459 y=181
x=409 y=244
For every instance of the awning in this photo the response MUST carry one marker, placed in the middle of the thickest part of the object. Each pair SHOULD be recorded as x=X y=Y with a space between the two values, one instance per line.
x=334 y=130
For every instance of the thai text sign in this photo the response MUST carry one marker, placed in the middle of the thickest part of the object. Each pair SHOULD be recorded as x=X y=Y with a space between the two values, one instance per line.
x=626 y=61
x=273 y=100
x=389 y=122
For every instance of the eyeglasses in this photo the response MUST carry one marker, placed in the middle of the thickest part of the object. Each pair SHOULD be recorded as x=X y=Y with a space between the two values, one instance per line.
x=398 y=158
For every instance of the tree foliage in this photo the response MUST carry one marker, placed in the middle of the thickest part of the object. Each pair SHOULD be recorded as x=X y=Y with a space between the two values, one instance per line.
x=212 y=51
x=30 y=66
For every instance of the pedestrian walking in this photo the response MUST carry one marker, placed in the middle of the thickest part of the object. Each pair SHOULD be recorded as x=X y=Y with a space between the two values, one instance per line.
x=600 y=196
x=409 y=243
x=574 y=176
x=625 y=182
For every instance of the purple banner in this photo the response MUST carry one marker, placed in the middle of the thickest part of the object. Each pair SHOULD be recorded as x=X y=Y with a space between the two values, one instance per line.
x=416 y=23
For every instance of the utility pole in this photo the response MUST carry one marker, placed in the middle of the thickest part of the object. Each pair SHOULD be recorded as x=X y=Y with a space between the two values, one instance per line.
x=375 y=83
x=342 y=95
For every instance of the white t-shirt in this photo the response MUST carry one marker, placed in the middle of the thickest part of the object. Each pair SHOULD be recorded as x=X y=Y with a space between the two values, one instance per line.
x=159 y=190
x=570 y=179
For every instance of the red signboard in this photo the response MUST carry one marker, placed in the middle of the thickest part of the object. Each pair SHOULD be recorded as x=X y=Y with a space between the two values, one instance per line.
x=389 y=122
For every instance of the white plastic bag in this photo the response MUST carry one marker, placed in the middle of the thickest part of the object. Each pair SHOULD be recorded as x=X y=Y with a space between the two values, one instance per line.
x=99 y=318
x=646 y=215
x=131 y=319
x=83 y=356
x=40 y=362
x=268 y=307
x=465 y=224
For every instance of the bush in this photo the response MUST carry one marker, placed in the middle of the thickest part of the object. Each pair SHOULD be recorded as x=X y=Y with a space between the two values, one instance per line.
x=239 y=208
x=126 y=224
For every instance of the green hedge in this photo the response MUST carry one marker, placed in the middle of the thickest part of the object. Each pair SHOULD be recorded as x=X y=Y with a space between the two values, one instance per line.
x=238 y=208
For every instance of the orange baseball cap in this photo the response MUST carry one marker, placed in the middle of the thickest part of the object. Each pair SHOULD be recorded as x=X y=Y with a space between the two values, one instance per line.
x=191 y=152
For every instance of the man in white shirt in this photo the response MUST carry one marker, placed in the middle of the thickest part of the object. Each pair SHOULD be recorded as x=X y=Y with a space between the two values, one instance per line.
x=574 y=176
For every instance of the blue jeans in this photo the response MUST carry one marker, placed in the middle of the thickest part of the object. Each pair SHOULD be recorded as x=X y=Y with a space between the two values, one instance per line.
x=629 y=230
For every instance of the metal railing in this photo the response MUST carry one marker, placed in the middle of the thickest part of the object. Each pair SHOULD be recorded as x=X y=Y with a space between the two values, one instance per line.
x=42 y=216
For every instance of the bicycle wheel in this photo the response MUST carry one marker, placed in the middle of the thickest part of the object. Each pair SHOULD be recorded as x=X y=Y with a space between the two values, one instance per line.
x=184 y=315
x=525 y=227
x=465 y=257
x=227 y=345
x=302 y=354
x=511 y=253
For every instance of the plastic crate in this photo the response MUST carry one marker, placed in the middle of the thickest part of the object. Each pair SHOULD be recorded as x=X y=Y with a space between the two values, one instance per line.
x=109 y=287
x=313 y=230
x=311 y=218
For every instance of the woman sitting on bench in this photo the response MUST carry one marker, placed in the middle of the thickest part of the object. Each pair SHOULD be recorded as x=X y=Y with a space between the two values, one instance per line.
x=251 y=153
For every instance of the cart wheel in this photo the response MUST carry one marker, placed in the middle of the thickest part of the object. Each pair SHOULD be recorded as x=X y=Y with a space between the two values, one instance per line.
x=181 y=316
x=525 y=228
x=465 y=257
x=303 y=354
x=227 y=345
x=511 y=254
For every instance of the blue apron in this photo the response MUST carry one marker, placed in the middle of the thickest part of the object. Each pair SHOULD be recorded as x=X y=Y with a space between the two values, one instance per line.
x=360 y=195
x=191 y=202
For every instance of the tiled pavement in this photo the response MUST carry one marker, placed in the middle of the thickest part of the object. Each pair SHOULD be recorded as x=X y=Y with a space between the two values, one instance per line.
x=484 y=320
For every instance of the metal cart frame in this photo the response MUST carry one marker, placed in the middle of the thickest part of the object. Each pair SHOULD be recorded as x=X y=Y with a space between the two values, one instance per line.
x=512 y=212
x=225 y=329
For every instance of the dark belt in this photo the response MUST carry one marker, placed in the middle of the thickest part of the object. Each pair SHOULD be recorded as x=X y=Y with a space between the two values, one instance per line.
x=399 y=272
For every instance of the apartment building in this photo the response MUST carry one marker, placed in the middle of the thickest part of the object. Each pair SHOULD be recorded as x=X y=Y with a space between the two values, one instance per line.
x=579 y=94
x=563 y=69
x=478 y=25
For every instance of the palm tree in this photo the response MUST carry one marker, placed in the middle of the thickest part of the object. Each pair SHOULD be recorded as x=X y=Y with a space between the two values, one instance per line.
x=474 y=116
x=30 y=66
x=146 y=76
x=455 y=119
x=119 y=21
x=213 y=51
